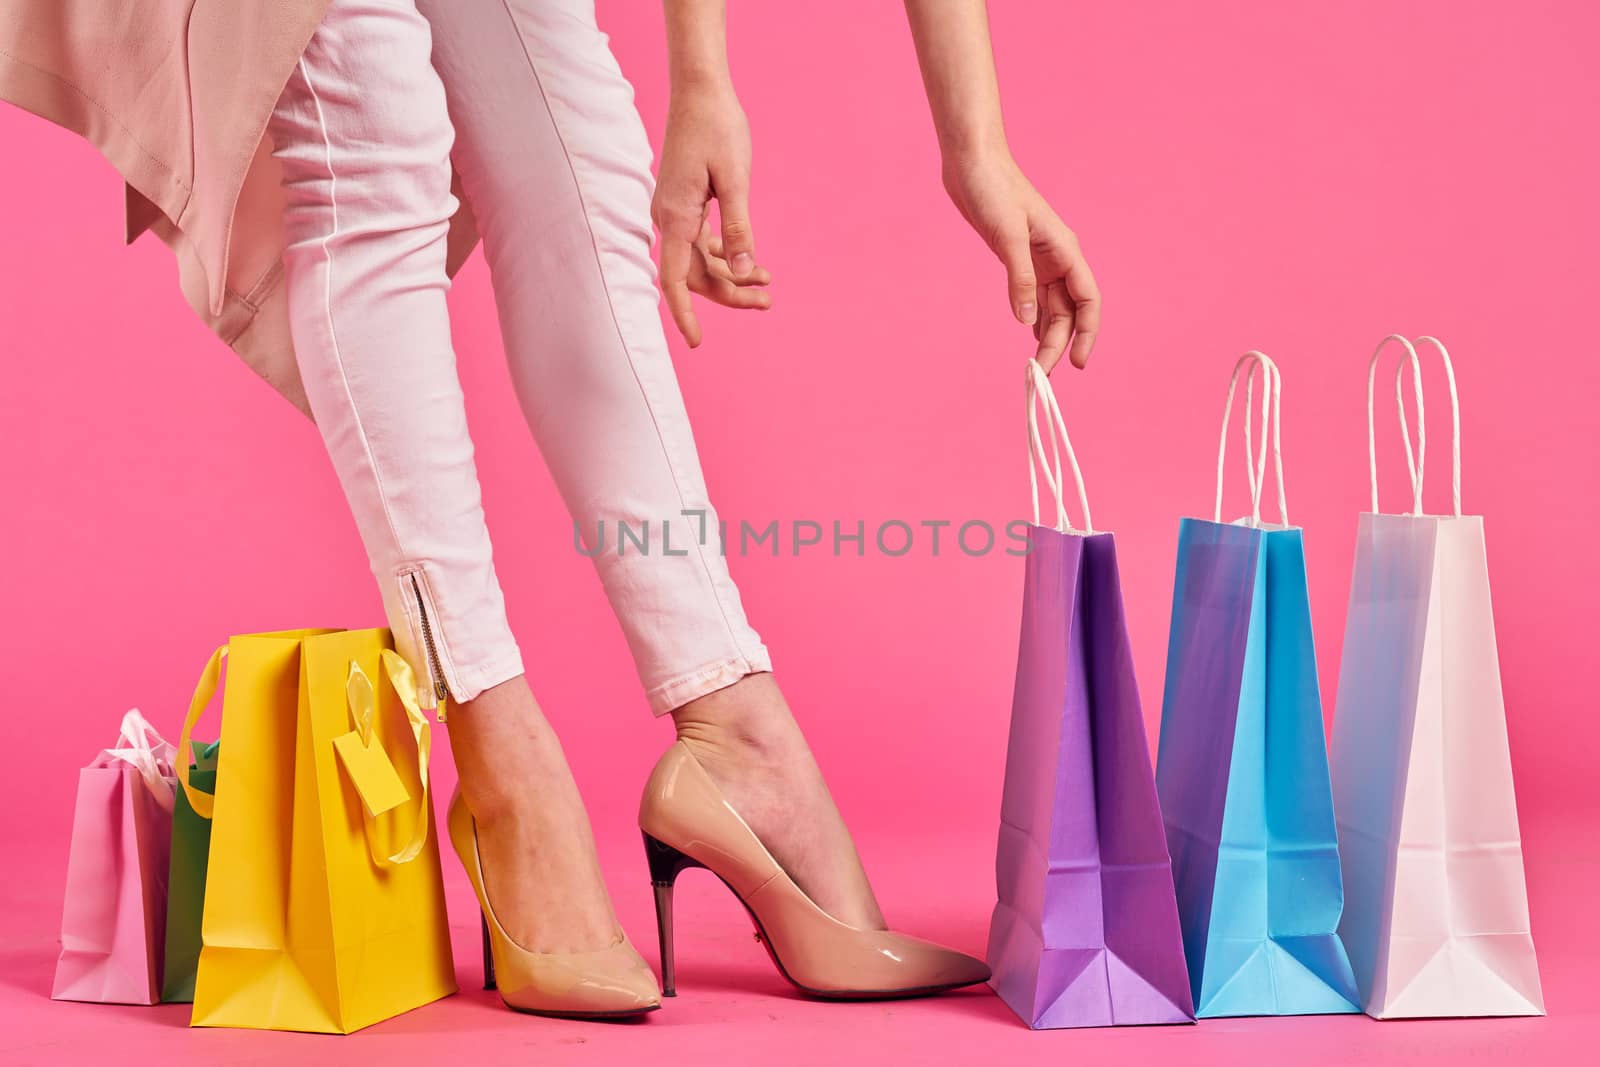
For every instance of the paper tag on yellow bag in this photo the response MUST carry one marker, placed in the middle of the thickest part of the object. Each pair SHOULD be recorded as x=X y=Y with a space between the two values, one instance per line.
x=372 y=774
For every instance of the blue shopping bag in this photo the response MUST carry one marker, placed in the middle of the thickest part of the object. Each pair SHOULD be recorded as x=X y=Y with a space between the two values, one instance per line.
x=1242 y=767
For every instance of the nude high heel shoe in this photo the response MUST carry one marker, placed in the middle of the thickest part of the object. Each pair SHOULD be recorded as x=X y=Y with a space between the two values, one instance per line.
x=687 y=823
x=611 y=983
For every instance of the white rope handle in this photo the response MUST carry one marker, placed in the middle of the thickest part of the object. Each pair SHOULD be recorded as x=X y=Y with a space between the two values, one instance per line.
x=1038 y=389
x=1416 y=461
x=1271 y=417
x=1255 y=469
x=1055 y=447
x=1455 y=427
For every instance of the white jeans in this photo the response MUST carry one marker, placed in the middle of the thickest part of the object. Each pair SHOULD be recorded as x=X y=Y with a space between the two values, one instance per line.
x=554 y=160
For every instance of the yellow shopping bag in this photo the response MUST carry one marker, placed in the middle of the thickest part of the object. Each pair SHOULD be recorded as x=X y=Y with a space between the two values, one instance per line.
x=324 y=905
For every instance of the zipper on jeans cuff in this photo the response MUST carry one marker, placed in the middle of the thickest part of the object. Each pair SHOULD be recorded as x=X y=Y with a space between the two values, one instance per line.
x=435 y=672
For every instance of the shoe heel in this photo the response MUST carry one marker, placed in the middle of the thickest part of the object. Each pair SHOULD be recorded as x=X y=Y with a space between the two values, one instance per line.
x=666 y=863
x=488 y=955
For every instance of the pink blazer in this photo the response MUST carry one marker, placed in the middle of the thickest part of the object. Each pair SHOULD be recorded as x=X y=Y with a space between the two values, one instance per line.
x=176 y=94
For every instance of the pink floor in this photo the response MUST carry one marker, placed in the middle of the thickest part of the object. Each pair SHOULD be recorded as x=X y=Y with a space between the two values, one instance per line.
x=733 y=1008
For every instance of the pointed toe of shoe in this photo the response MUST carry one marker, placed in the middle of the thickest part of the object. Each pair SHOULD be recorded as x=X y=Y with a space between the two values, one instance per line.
x=963 y=970
x=617 y=982
x=930 y=967
x=637 y=982
x=879 y=964
x=611 y=983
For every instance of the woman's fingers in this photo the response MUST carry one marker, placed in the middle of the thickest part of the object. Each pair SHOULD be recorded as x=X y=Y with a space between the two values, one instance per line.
x=1022 y=289
x=677 y=258
x=730 y=183
x=717 y=263
x=680 y=223
x=1070 y=316
x=1084 y=293
x=696 y=264
x=1055 y=326
x=718 y=267
x=709 y=283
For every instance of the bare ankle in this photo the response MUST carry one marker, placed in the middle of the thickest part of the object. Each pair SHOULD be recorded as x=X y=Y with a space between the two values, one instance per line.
x=489 y=805
x=502 y=723
x=747 y=720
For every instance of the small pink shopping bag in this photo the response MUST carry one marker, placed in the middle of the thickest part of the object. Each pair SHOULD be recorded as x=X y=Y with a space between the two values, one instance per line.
x=1436 y=902
x=114 y=916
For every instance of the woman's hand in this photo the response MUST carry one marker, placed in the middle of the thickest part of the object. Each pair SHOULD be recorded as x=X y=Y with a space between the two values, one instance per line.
x=1049 y=282
x=705 y=156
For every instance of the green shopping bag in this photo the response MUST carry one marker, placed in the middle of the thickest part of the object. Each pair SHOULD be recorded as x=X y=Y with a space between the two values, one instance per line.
x=186 y=881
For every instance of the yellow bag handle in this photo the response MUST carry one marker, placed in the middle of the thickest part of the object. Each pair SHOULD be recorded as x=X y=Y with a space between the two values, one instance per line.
x=206 y=688
x=363 y=708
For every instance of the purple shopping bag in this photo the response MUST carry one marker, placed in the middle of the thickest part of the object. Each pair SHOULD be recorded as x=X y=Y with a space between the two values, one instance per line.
x=1085 y=931
x=113 y=919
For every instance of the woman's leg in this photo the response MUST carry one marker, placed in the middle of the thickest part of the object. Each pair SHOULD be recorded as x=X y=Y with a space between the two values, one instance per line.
x=555 y=160
x=364 y=140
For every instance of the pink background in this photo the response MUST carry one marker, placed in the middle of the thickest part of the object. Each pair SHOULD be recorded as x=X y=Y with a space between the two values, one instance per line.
x=1241 y=174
